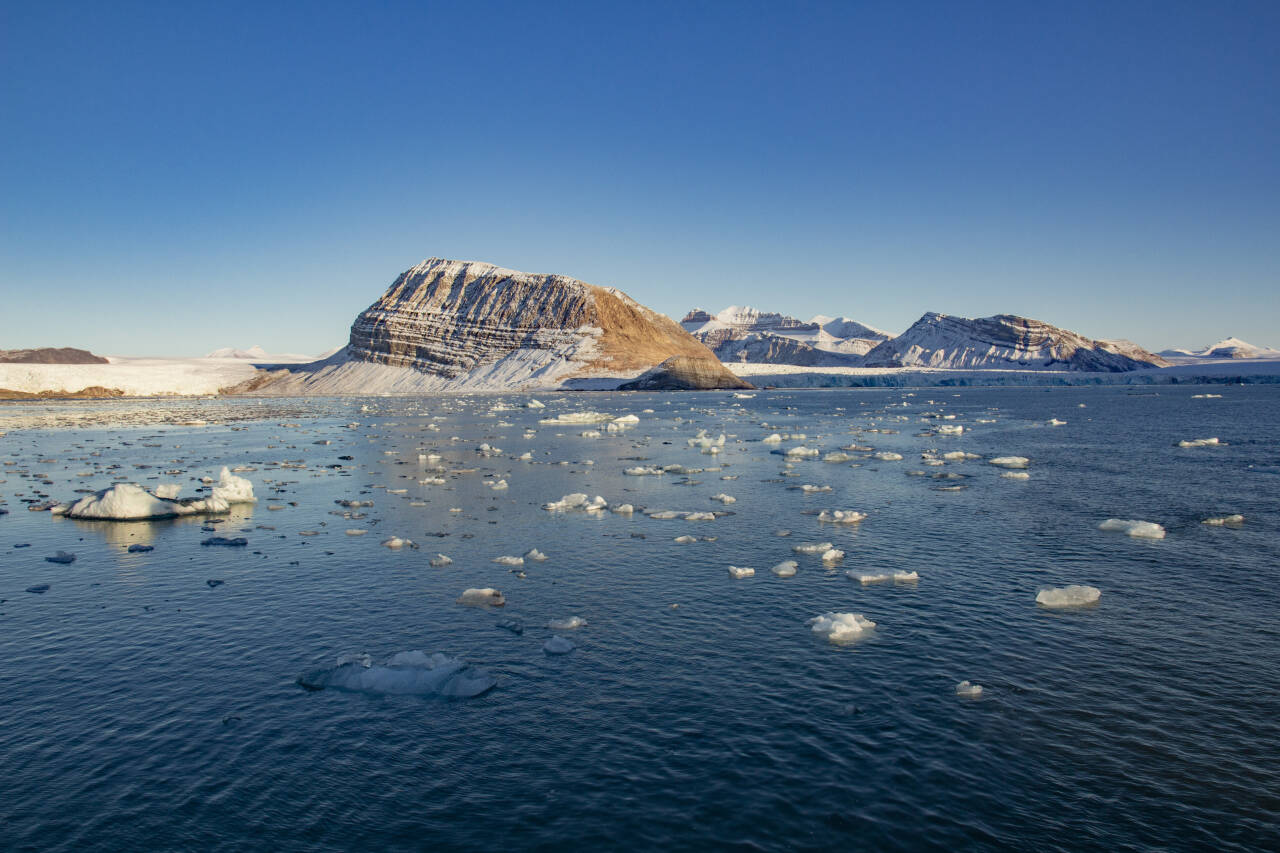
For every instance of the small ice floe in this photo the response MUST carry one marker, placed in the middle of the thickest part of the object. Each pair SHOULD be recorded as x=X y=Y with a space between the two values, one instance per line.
x=590 y=433
x=1052 y=422
x=841 y=516
x=738 y=572
x=887 y=456
x=896 y=577
x=222 y=541
x=1136 y=529
x=355 y=531
x=969 y=689
x=949 y=429
x=496 y=485
x=168 y=491
x=686 y=539
x=699 y=516
x=1068 y=596
x=622 y=509
x=1010 y=461
x=558 y=645
x=802 y=452
x=810 y=489
x=785 y=569
x=772 y=439
x=535 y=555
x=353 y=504
x=431 y=481
x=577 y=501
x=527 y=456
x=737 y=396
x=440 y=560
x=131 y=502
x=534 y=404
x=724 y=499
x=64 y=557
x=487 y=449
x=959 y=456
x=1015 y=475
x=232 y=489
x=573 y=418
x=813 y=548
x=1200 y=442
x=836 y=456
x=1206 y=396
x=1225 y=521
x=571 y=624
x=644 y=471
x=509 y=561
x=481 y=597
x=413 y=673
x=706 y=442
x=396 y=542
x=841 y=627
x=832 y=555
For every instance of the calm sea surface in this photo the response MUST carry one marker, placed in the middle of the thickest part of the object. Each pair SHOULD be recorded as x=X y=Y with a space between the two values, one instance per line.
x=142 y=708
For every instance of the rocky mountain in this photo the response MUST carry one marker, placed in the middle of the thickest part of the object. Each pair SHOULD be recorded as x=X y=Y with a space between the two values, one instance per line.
x=50 y=355
x=741 y=333
x=1232 y=348
x=464 y=325
x=1004 y=341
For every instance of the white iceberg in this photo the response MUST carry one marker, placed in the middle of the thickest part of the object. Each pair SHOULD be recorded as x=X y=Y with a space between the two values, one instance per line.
x=1068 y=596
x=440 y=560
x=785 y=569
x=1136 y=529
x=739 y=572
x=1199 y=442
x=841 y=516
x=966 y=688
x=131 y=502
x=481 y=597
x=233 y=489
x=1225 y=521
x=841 y=627
x=1010 y=461
x=813 y=548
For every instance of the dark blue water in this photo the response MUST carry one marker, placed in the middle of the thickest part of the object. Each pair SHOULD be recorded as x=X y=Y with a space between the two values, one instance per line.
x=144 y=709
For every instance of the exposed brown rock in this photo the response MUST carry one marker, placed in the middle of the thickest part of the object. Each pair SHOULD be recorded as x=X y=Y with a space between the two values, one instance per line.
x=50 y=355
x=686 y=373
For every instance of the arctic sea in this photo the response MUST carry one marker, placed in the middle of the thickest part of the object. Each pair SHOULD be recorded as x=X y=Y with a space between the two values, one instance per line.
x=152 y=700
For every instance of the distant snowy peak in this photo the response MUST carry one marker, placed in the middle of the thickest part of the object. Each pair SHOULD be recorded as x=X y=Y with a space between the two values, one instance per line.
x=742 y=333
x=1005 y=341
x=843 y=327
x=1227 y=348
x=253 y=352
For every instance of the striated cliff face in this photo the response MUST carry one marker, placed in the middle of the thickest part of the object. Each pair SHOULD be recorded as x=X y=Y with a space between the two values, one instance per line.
x=465 y=325
x=1004 y=341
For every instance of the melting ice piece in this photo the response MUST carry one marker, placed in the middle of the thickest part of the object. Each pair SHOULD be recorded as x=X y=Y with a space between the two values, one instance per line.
x=232 y=489
x=739 y=572
x=509 y=561
x=832 y=555
x=959 y=456
x=841 y=627
x=950 y=429
x=724 y=499
x=440 y=560
x=474 y=597
x=1051 y=422
x=887 y=456
x=1199 y=442
x=622 y=509
x=809 y=489
x=413 y=673
x=396 y=542
x=802 y=452
x=813 y=548
x=841 y=516
x=685 y=540
x=557 y=645
x=1015 y=475
x=966 y=688
x=534 y=404
x=1225 y=521
x=64 y=557
x=772 y=439
x=535 y=555
x=355 y=531
x=1010 y=461
x=644 y=470
x=699 y=516
x=570 y=418
x=785 y=569
x=579 y=501
x=131 y=502
x=169 y=491
x=1136 y=529
x=896 y=577
x=570 y=624
x=1068 y=596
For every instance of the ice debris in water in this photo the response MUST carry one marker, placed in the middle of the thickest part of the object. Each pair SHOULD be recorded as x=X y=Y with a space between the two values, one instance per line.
x=841 y=627
x=509 y=561
x=887 y=456
x=131 y=502
x=950 y=429
x=1225 y=521
x=841 y=516
x=558 y=645
x=813 y=548
x=1010 y=461
x=395 y=542
x=534 y=404
x=1069 y=596
x=1136 y=529
x=785 y=569
x=832 y=555
x=896 y=577
x=570 y=624
x=686 y=539
x=481 y=597
x=967 y=688
x=1199 y=442
x=1015 y=475
x=1055 y=422
x=355 y=531
x=724 y=499
x=772 y=439
x=622 y=509
x=440 y=560
x=413 y=673
x=535 y=555
x=238 y=542
x=168 y=491
x=810 y=489
x=578 y=501
x=802 y=452
x=233 y=489
x=65 y=557
x=571 y=418
x=739 y=572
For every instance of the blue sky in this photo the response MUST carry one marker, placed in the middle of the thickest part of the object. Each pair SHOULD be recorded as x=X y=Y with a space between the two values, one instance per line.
x=176 y=177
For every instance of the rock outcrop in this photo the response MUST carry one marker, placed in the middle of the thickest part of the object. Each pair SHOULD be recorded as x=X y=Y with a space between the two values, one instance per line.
x=50 y=355
x=1005 y=341
x=745 y=334
x=682 y=373
x=462 y=325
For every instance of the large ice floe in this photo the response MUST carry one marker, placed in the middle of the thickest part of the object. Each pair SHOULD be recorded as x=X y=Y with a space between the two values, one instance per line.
x=841 y=516
x=1010 y=461
x=1136 y=529
x=481 y=597
x=1075 y=595
x=1199 y=442
x=131 y=502
x=841 y=627
x=412 y=673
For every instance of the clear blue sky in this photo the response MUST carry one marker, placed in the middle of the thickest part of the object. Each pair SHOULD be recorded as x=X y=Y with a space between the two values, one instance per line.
x=180 y=176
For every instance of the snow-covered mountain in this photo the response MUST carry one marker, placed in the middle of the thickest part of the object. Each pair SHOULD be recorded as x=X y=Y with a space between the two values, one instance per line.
x=740 y=333
x=1004 y=341
x=464 y=325
x=1232 y=348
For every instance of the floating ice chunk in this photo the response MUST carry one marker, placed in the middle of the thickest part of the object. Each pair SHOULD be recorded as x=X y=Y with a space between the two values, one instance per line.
x=841 y=516
x=949 y=429
x=1199 y=442
x=644 y=470
x=813 y=490
x=578 y=501
x=395 y=542
x=1015 y=475
x=1069 y=596
x=1051 y=422
x=813 y=548
x=626 y=420
x=802 y=452
x=686 y=539
x=131 y=502
x=355 y=531
x=959 y=456
x=590 y=433
x=440 y=560
x=699 y=516
x=841 y=627
x=739 y=572
x=64 y=557
x=481 y=597
x=896 y=577
x=836 y=456
x=488 y=450
x=353 y=504
x=724 y=499
x=558 y=645
x=570 y=418
x=431 y=481
x=1206 y=396
x=704 y=441
x=168 y=491
x=496 y=485
x=737 y=396
x=1010 y=461
x=535 y=555
x=785 y=569
x=232 y=489
x=412 y=673
x=527 y=456
x=570 y=624
x=772 y=439
x=1225 y=521
x=509 y=561
x=887 y=456
x=664 y=514
x=622 y=509
x=832 y=555
x=534 y=404
x=965 y=688
x=1137 y=529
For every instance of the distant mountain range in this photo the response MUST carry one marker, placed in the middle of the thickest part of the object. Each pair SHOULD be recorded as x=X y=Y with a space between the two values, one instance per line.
x=1232 y=348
